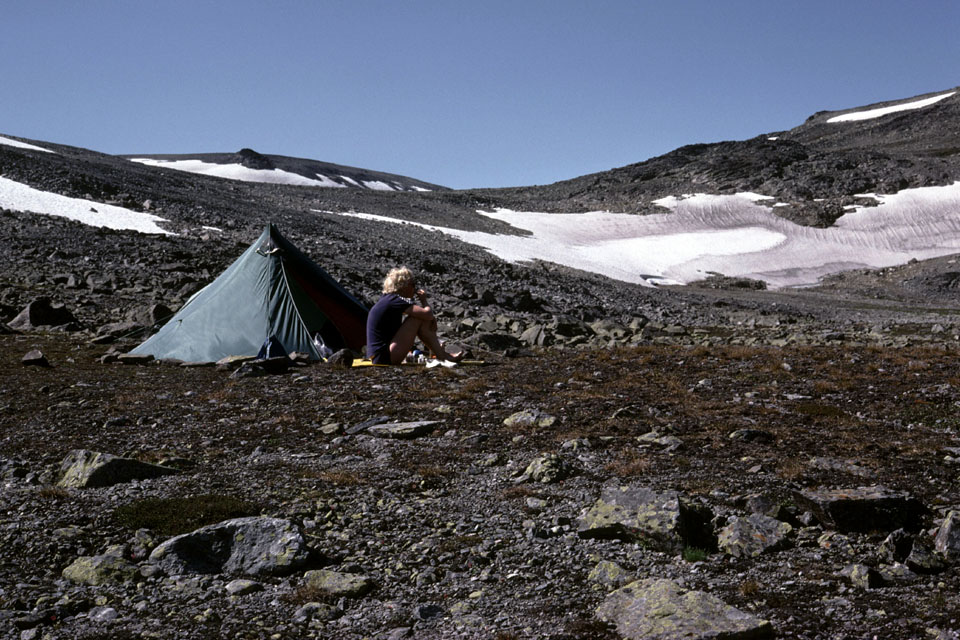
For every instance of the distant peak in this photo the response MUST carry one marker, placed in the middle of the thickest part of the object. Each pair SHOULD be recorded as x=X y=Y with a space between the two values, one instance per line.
x=253 y=160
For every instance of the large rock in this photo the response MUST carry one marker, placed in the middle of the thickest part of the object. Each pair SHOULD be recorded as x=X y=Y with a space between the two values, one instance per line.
x=253 y=546
x=667 y=521
x=111 y=567
x=87 y=469
x=661 y=609
x=749 y=537
x=546 y=468
x=948 y=537
x=864 y=509
x=41 y=313
x=339 y=585
x=404 y=430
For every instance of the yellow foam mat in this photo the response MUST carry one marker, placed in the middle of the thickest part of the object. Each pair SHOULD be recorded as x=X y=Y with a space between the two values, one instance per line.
x=369 y=363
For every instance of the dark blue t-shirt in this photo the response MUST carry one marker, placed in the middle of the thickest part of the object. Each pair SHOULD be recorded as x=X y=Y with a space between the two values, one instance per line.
x=383 y=322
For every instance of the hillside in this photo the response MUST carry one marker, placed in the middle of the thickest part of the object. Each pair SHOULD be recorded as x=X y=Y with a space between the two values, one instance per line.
x=790 y=453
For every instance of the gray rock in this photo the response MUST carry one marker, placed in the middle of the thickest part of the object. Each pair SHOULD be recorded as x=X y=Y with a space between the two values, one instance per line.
x=339 y=585
x=609 y=575
x=659 y=609
x=864 y=509
x=241 y=587
x=255 y=546
x=134 y=358
x=110 y=567
x=947 y=541
x=342 y=358
x=404 y=430
x=530 y=418
x=896 y=547
x=862 y=576
x=667 y=521
x=749 y=537
x=41 y=313
x=546 y=468
x=35 y=358
x=923 y=560
x=317 y=611
x=86 y=469
x=752 y=435
x=897 y=574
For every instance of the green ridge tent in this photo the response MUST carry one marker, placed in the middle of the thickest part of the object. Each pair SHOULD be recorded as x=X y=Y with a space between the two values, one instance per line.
x=273 y=289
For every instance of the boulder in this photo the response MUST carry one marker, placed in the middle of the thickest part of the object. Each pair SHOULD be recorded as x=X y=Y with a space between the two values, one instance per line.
x=749 y=537
x=41 y=313
x=667 y=521
x=660 y=609
x=342 y=358
x=35 y=358
x=530 y=418
x=404 y=430
x=862 y=576
x=84 y=469
x=546 y=468
x=111 y=567
x=864 y=509
x=947 y=541
x=254 y=546
x=339 y=585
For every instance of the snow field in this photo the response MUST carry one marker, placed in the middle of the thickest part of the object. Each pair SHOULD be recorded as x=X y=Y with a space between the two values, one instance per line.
x=20 y=197
x=730 y=234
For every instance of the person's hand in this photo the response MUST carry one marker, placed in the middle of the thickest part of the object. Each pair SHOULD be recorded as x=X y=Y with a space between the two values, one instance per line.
x=422 y=296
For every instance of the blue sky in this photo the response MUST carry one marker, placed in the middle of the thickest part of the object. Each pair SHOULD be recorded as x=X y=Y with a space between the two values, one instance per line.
x=464 y=94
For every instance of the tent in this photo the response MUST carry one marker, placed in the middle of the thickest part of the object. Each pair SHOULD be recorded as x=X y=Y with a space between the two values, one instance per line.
x=273 y=289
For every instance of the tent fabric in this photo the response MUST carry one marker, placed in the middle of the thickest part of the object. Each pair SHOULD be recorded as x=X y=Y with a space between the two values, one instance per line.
x=272 y=289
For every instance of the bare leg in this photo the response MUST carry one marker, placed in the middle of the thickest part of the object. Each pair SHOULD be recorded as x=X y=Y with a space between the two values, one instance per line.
x=428 y=334
x=409 y=331
x=404 y=339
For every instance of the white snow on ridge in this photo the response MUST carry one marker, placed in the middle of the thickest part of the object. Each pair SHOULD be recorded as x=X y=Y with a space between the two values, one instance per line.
x=10 y=142
x=377 y=185
x=328 y=182
x=732 y=235
x=234 y=172
x=17 y=196
x=882 y=111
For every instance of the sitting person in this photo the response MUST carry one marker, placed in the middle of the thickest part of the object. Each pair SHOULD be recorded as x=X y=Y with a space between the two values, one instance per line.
x=396 y=321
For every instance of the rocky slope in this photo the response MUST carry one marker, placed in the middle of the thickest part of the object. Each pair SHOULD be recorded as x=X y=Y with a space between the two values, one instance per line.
x=751 y=414
x=495 y=518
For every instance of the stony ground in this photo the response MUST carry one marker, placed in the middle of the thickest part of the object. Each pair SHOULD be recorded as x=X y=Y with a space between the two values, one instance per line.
x=454 y=544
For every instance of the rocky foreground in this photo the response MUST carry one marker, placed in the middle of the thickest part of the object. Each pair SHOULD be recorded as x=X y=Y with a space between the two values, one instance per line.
x=658 y=490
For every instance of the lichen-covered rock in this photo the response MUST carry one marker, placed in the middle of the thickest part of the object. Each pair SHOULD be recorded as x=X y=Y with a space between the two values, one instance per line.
x=546 y=469
x=862 y=576
x=659 y=609
x=864 y=509
x=87 y=469
x=339 y=585
x=110 y=567
x=667 y=521
x=749 y=537
x=609 y=575
x=254 y=546
x=947 y=541
x=404 y=430
x=530 y=418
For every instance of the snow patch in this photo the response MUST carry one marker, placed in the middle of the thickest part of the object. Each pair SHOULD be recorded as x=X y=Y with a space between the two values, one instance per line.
x=329 y=182
x=882 y=111
x=233 y=172
x=734 y=235
x=20 y=197
x=10 y=142
x=377 y=185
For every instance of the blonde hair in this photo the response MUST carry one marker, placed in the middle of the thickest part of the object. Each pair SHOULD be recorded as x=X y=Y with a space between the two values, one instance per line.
x=397 y=279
